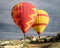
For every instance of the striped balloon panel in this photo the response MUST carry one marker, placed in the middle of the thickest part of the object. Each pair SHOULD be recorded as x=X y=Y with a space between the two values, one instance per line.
x=41 y=22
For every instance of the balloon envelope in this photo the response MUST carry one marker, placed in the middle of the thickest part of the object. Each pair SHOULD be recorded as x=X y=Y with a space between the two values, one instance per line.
x=41 y=22
x=24 y=14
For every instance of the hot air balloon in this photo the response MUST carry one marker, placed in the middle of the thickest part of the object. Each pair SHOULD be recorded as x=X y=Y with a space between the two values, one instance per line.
x=24 y=14
x=41 y=22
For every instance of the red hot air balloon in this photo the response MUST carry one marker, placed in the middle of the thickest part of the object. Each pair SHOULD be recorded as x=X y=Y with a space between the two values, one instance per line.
x=24 y=14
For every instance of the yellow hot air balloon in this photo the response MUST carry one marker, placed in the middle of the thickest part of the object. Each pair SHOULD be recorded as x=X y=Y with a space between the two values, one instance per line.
x=41 y=22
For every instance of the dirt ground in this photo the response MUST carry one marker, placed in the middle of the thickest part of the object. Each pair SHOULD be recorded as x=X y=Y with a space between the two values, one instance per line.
x=45 y=45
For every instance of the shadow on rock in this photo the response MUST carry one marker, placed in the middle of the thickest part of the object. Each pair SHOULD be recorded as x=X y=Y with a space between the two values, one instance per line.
x=46 y=46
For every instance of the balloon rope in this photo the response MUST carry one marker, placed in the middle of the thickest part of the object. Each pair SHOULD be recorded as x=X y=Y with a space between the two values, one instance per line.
x=38 y=35
x=24 y=36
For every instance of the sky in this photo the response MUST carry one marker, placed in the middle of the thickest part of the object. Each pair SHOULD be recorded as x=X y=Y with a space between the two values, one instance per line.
x=51 y=6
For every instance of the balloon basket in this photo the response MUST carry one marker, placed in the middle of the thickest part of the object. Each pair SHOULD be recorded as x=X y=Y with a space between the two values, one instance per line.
x=24 y=36
x=38 y=35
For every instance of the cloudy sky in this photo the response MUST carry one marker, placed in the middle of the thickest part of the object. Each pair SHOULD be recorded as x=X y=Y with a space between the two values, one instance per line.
x=51 y=6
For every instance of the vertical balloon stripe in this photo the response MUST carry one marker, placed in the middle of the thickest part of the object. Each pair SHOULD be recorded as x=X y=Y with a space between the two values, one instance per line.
x=42 y=19
x=39 y=28
x=42 y=12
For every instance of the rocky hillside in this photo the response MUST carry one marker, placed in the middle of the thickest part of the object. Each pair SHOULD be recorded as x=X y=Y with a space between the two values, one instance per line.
x=33 y=42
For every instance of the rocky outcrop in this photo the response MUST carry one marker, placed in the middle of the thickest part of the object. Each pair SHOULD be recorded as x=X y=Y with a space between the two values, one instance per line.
x=58 y=36
x=13 y=44
x=23 y=43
